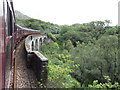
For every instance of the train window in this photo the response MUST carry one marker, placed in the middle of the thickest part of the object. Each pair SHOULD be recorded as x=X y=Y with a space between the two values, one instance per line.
x=8 y=19
x=5 y=14
x=10 y=22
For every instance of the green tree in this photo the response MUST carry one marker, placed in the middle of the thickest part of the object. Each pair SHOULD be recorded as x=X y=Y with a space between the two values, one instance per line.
x=68 y=45
x=60 y=66
x=107 y=85
x=97 y=60
x=107 y=22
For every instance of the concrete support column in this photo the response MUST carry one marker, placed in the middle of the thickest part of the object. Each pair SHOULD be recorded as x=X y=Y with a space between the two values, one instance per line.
x=38 y=44
x=34 y=45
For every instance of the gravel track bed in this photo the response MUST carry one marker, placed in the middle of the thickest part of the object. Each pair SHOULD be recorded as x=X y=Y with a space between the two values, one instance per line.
x=25 y=77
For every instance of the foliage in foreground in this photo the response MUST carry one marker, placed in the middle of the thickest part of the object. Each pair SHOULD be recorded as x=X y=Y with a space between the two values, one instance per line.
x=94 y=48
x=60 y=66
x=81 y=54
x=108 y=84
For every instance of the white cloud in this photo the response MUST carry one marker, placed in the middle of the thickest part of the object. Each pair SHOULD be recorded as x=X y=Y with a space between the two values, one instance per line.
x=69 y=11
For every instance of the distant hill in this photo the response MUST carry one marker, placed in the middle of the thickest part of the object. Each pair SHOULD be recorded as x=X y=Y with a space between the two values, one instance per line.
x=20 y=15
x=36 y=24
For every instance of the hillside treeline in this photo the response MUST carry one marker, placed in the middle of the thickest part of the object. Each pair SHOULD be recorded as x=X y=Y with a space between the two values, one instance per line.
x=44 y=27
x=82 y=55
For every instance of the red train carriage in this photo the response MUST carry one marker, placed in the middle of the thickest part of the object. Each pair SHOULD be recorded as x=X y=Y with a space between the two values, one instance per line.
x=2 y=46
x=10 y=35
x=24 y=32
x=6 y=29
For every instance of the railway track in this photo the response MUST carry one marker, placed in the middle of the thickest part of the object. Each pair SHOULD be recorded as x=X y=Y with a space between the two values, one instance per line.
x=23 y=77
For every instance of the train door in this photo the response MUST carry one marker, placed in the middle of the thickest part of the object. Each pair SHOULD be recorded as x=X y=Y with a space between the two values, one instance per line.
x=9 y=29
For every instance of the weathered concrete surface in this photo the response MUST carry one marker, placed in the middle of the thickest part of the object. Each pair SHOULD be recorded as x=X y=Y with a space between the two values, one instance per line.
x=25 y=77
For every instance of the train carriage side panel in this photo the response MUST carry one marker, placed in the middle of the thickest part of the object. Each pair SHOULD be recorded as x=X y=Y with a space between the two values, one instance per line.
x=2 y=46
x=10 y=29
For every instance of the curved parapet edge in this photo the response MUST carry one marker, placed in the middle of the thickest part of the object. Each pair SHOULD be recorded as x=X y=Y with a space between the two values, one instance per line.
x=35 y=60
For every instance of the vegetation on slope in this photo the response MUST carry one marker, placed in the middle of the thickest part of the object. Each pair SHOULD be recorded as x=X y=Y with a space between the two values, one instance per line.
x=20 y=15
x=44 y=27
x=82 y=55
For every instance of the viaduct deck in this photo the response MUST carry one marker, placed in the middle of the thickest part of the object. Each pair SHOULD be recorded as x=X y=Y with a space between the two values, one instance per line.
x=23 y=77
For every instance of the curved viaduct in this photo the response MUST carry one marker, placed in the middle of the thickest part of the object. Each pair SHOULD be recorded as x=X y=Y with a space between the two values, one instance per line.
x=30 y=65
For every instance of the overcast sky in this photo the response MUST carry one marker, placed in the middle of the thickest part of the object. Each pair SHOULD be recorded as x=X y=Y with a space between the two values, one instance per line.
x=69 y=11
